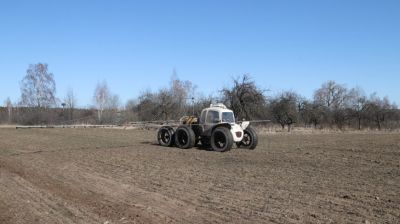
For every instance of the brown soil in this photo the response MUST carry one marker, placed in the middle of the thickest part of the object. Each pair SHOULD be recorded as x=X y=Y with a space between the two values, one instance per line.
x=122 y=176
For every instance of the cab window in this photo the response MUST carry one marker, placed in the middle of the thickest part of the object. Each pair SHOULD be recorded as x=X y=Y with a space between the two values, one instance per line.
x=212 y=117
x=228 y=117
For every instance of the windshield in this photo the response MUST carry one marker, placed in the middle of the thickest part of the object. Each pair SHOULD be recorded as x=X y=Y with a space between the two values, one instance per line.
x=228 y=117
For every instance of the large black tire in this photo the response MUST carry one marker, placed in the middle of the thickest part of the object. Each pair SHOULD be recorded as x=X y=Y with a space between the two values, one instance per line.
x=185 y=137
x=221 y=139
x=250 y=139
x=166 y=136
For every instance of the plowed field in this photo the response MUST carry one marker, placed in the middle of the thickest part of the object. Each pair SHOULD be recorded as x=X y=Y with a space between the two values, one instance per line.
x=123 y=176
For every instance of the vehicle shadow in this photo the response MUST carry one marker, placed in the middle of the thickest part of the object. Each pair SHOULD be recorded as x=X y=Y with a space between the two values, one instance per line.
x=150 y=143
x=154 y=143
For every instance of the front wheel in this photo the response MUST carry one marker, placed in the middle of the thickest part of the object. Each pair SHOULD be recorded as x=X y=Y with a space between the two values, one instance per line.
x=250 y=139
x=221 y=139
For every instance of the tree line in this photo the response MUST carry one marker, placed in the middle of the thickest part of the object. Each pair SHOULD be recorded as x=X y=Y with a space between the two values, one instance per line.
x=333 y=105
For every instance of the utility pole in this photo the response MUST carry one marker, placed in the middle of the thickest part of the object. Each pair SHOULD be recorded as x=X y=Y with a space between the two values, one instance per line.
x=192 y=99
x=193 y=106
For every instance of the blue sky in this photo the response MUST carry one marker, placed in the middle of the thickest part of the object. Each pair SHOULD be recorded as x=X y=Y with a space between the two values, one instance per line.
x=135 y=45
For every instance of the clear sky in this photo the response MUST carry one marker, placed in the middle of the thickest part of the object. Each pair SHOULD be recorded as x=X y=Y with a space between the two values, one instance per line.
x=135 y=45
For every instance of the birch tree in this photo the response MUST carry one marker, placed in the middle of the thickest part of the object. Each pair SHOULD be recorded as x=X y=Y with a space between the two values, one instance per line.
x=38 y=88
x=101 y=98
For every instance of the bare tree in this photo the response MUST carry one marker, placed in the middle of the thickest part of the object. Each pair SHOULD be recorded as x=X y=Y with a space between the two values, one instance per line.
x=284 y=109
x=130 y=113
x=112 y=112
x=333 y=97
x=38 y=87
x=101 y=98
x=312 y=113
x=114 y=102
x=202 y=102
x=331 y=94
x=358 y=105
x=379 y=110
x=167 y=103
x=244 y=98
x=180 y=92
x=70 y=101
x=147 y=108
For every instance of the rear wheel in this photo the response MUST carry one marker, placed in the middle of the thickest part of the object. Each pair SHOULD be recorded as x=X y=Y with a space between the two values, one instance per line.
x=221 y=139
x=250 y=139
x=185 y=137
x=165 y=136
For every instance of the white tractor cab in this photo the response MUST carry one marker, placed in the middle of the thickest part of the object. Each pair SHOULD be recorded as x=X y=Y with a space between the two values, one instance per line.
x=216 y=128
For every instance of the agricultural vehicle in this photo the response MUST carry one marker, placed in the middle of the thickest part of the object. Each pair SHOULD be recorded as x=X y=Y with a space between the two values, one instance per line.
x=215 y=128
